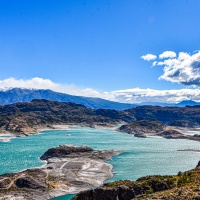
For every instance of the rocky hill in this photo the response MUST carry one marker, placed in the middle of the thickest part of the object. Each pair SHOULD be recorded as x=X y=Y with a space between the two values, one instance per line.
x=148 y=127
x=26 y=95
x=140 y=127
x=190 y=114
x=30 y=117
x=182 y=186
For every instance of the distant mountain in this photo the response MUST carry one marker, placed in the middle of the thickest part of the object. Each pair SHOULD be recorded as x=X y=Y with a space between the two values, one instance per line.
x=155 y=104
x=26 y=95
x=188 y=103
x=180 y=104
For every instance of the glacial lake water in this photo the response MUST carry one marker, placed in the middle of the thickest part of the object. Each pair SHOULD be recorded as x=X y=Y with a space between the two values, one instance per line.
x=140 y=157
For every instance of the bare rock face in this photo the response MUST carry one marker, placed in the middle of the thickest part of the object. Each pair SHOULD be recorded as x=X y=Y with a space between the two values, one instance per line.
x=28 y=182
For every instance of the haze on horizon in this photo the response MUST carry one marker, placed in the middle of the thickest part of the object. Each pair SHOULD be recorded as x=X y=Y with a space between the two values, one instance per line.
x=128 y=51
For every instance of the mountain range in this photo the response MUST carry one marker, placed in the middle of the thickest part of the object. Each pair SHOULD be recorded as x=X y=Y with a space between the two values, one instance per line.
x=15 y=95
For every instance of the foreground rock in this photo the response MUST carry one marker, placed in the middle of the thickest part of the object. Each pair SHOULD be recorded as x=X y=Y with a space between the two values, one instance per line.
x=182 y=186
x=69 y=170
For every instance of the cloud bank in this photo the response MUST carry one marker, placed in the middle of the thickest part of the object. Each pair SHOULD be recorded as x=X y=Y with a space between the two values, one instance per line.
x=40 y=83
x=138 y=95
x=134 y=95
x=183 y=69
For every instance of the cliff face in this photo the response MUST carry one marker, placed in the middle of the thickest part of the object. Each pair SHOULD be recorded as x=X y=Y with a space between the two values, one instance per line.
x=182 y=186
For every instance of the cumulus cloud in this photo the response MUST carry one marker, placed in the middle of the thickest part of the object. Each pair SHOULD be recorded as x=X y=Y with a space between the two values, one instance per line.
x=184 y=69
x=167 y=54
x=149 y=57
x=134 y=95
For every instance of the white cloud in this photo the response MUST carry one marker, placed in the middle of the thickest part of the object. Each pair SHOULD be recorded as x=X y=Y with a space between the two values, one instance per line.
x=36 y=82
x=167 y=54
x=138 y=95
x=184 y=69
x=134 y=95
x=149 y=57
x=40 y=83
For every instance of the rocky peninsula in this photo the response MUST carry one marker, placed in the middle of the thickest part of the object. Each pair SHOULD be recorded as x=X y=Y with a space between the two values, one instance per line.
x=150 y=127
x=69 y=169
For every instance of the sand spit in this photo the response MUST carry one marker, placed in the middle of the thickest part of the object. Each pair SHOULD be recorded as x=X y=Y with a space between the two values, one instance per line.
x=69 y=169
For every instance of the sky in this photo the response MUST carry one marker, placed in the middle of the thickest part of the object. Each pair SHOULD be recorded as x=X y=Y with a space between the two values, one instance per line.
x=122 y=50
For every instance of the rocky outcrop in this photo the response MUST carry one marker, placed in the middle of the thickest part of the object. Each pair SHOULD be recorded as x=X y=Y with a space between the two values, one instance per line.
x=30 y=183
x=182 y=186
x=138 y=128
x=173 y=134
x=69 y=169
x=64 y=150
x=149 y=127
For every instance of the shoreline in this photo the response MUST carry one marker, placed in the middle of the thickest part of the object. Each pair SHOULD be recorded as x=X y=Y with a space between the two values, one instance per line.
x=80 y=169
x=52 y=128
x=182 y=130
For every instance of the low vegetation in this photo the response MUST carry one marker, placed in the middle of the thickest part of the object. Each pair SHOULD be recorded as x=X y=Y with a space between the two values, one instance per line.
x=184 y=185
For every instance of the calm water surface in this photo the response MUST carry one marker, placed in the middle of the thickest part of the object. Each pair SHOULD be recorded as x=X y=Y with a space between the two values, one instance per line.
x=140 y=157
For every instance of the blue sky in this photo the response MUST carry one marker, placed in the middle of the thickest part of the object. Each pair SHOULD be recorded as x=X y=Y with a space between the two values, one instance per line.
x=94 y=48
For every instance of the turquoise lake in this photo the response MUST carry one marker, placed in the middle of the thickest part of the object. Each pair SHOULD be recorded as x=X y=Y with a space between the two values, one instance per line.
x=140 y=157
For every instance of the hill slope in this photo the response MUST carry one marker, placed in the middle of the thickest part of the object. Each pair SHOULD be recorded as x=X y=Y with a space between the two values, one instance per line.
x=29 y=117
x=182 y=186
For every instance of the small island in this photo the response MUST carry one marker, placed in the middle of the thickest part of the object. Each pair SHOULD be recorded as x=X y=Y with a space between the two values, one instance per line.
x=69 y=169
